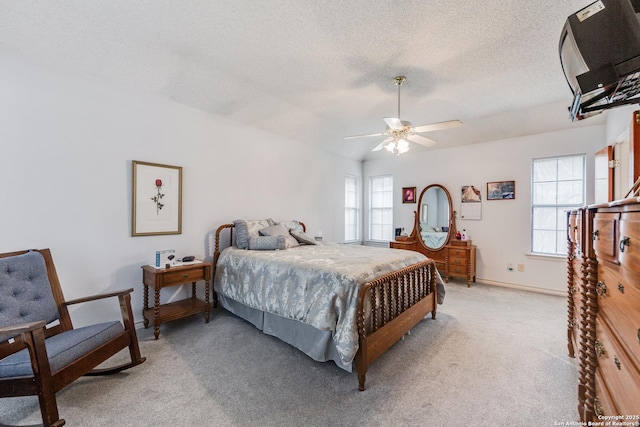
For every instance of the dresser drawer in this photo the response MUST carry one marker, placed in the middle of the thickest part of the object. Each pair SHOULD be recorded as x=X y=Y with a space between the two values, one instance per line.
x=577 y=308
x=617 y=369
x=603 y=404
x=578 y=264
x=573 y=325
x=183 y=276
x=571 y=226
x=629 y=240
x=456 y=261
x=605 y=236
x=575 y=231
x=458 y=270
x=619 y=303
x=458 y=253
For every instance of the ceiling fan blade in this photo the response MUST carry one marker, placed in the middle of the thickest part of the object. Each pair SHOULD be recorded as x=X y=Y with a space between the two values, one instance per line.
x=363 y=136
x=438 y=126
x=393 y=123
x=419 y=139
x=382 y=144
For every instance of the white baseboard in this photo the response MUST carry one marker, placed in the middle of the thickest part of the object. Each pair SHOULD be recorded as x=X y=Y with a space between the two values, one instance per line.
x=521 y=287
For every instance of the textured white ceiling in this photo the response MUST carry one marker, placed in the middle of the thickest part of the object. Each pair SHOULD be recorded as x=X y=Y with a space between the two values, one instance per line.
x=319 y=70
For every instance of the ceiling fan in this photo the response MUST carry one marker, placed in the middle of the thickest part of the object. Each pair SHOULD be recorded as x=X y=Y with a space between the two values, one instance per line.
x=399 y=133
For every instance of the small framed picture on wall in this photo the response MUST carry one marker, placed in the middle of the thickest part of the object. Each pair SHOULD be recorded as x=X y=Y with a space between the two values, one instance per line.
x=501 y=190
x=408 y=194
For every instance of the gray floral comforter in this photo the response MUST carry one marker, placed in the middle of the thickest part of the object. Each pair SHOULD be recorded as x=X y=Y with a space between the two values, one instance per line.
x=315 y=284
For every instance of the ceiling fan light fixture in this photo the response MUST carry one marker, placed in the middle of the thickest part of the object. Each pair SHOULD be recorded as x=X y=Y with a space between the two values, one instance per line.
x=397 y=146
x=391 y=146
x=399 y=132
x=402 y=146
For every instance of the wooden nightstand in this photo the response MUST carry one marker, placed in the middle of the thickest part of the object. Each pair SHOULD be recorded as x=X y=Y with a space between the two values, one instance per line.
x=159 y=278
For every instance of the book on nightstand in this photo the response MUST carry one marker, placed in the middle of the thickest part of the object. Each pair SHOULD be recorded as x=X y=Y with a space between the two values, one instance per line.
x=167 y=256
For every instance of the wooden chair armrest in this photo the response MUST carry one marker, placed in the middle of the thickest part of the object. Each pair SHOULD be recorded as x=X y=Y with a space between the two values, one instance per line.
x=99 y=297
x=14 y=330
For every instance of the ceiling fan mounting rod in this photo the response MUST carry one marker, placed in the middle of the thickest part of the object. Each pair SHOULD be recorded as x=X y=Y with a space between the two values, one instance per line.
x=398 y=81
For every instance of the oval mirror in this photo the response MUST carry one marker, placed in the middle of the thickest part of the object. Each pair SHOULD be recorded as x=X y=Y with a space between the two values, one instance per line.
x=435 y=216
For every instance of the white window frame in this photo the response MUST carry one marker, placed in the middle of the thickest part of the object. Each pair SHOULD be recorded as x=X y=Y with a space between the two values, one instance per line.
x=351 y=209
x=555 y=222
x=381 y=208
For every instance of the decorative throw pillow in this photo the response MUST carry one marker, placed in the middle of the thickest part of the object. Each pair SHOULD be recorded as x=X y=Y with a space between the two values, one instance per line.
x=246 y=229
x=303 y=238
x=280 y=230
x=266 y=243
x=292 y=225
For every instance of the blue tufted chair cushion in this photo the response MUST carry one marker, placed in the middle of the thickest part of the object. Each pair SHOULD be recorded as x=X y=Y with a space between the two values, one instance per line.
x=62 y=348
x=25 y=292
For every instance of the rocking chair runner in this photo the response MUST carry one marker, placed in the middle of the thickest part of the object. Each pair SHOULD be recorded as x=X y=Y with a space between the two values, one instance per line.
x=40 y=351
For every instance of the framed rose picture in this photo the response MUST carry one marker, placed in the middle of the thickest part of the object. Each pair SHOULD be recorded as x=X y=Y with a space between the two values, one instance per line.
x=501 y=190
x=157 y=199
x=408 y=194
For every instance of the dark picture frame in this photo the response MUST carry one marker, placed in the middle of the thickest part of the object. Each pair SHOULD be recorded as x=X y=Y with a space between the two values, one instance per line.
x=408 y=194
x=501 y=190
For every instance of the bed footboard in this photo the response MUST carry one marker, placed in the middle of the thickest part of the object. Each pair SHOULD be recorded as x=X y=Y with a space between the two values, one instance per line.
x=389 y=307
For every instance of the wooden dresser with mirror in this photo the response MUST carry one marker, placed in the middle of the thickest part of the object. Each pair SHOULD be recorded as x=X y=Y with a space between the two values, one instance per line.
x=434 y=235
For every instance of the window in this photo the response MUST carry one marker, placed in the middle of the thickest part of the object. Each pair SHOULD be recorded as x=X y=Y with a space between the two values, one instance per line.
x=351 y=210
x=381 y=208
x=558 y=185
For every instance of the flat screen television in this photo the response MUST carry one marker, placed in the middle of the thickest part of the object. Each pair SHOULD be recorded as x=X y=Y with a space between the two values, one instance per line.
x=600 y=56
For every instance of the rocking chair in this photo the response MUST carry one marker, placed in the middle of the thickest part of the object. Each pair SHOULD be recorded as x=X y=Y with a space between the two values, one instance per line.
x=40 y=351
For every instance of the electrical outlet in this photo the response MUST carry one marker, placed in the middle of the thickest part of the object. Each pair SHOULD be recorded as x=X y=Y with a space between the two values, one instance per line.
x=509 y=267
x=521 y=268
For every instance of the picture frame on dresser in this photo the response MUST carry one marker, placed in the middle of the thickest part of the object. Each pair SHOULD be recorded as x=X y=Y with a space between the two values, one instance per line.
x=156 y=199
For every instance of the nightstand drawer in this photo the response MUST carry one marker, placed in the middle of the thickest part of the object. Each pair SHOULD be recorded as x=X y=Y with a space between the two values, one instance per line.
x=177 y=277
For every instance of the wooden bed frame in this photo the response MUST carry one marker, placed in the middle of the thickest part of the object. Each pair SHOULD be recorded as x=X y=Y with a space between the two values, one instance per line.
x=397 y=302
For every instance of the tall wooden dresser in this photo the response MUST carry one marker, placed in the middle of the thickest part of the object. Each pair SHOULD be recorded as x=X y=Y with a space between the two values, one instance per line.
x=604 y=308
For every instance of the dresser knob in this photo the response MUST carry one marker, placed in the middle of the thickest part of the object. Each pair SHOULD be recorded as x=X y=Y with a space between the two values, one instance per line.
x=624 y=242
x=185 y=275
x=595 y=234
x=599 y=348
x=601 y=288
x=616 y=361
x=621 y=288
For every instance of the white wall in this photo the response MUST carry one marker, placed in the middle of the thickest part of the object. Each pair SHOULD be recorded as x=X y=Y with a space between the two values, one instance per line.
x=67 y=146
x=618 y=122
x=502 y=235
